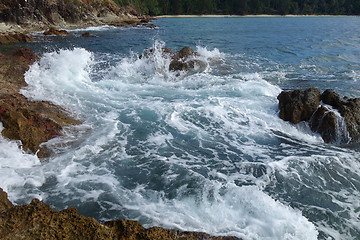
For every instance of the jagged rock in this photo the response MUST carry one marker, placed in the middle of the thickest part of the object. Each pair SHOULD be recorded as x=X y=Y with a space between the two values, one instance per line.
x=26 y=54
x=32 y=122
x=296 y=106
x=15 y=38
x=330 y=97
x=324 y=122
x=39 y=14
x=5 y=204
x=38 y=221
x=54 y=31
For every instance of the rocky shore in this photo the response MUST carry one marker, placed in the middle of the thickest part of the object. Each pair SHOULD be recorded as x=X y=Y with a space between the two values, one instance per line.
x=335 y=118
x=38 y=221
x=31 y=122
x=18 y=18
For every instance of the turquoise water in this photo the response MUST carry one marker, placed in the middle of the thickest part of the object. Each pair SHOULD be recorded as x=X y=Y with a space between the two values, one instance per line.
x=204 y=151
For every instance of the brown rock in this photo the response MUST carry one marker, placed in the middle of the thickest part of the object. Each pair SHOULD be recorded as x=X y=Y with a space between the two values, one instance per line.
x=38 y=221
x=5 y=204
x=54 y=31
x=324 y=122
x=87 y=34
x=26 y=54
x=32 y=122
x=15 y=38
x=296 y=106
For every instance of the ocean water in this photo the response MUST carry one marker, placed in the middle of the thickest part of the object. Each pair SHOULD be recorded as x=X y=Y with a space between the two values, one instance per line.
x=199 y=151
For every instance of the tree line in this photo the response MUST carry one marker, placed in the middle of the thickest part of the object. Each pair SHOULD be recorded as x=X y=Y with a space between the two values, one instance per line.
x=243 y=7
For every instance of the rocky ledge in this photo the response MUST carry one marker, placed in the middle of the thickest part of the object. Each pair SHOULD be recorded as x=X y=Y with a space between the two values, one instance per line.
x=38 y=221
x=336 y=119
x=19 y=17
x=31 y=122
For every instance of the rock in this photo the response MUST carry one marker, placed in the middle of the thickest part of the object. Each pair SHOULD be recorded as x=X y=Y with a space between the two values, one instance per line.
x=184 y=54
x=26 y=54
x=87 y=34
x=296 y=106
x=183 y=60
x=32 y=122
x=342 y=126
x=331 y=98
x=15 y=38
x=5 y=204
x=38 y=221
x=54 y=31
x=324 y=122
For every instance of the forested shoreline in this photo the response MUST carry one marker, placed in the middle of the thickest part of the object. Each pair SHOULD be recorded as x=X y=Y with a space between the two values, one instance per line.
x=243 y=7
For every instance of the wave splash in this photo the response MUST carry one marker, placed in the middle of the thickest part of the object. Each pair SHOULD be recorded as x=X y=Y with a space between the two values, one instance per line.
x=198 y=151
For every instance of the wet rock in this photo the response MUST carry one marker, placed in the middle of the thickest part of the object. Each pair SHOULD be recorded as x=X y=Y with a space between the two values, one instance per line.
x=324 y=122
x=296 y=106
x=54 y=31
x=31 y=122
x=15 y=38
x=337 y=120
x=38 y=221
x=87 y=34
x=183 y=60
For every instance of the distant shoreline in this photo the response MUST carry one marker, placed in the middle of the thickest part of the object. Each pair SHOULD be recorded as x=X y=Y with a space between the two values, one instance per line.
x=249 y=16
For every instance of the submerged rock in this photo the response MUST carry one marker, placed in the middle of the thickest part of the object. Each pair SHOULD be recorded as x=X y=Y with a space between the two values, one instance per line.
x=38 y=221
x=336 y=119
x=32 y=122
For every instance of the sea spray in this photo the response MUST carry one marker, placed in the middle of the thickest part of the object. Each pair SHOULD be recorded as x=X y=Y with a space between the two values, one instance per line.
x=204 y=152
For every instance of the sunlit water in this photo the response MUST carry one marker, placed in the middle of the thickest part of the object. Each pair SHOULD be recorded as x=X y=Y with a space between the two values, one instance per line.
x=201 y=151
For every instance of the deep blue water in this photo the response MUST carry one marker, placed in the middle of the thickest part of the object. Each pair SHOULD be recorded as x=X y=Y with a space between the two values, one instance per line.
x=204 y=151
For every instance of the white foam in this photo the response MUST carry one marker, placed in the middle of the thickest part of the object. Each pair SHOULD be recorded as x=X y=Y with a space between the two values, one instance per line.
x=245 y=212
x=59 y=76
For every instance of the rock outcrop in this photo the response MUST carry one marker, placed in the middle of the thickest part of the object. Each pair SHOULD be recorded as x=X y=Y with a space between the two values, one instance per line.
x=32 y=122
x=15 y=38
x=296 y=106
x=38 y=221
x=35 y=15
x=336 y=119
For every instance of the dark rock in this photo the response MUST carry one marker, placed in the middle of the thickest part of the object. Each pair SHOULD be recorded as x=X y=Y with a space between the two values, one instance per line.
x=54 y=31
x=325 y=122
x=337 y=122
x=38 y=221
x=87 y=34
x=185 y=53
x=330 y=97
x=183 y=60
x=296 y=106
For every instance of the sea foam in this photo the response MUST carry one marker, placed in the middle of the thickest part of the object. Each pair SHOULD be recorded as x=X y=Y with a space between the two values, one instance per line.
x=150 y=135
